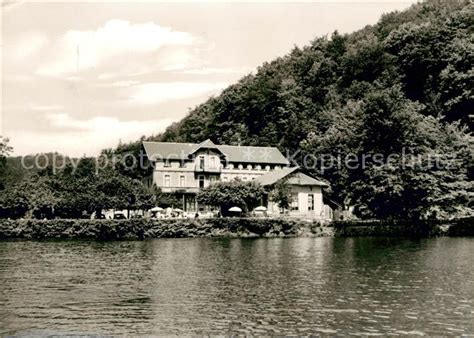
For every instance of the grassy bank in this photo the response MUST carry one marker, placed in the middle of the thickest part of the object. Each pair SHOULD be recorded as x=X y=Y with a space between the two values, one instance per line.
x=153 y=228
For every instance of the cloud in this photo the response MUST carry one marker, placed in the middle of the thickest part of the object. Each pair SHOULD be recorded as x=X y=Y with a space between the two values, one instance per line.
x=76 y=137
x=118 y=41
x=101 y=124
x=26 y=46
x=47 y=107
x=153 y=93
x=125 y=83
x=217 y=70
x=9 y=4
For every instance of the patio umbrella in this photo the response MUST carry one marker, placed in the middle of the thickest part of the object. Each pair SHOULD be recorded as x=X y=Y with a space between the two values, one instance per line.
x=178 y=210
x=260 y=208
x=156 y=209
x=235 y=209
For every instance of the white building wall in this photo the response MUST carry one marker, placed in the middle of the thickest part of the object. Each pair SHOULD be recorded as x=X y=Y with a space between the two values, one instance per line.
x=301 y=193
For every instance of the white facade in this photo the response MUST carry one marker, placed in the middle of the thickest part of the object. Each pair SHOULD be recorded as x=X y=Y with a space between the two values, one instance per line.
x=205 y=168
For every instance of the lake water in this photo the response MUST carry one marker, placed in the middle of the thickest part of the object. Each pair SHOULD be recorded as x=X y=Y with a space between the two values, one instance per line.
x=255 y=286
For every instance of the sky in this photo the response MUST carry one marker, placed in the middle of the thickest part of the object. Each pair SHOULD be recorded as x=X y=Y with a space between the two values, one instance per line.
x=79 y=77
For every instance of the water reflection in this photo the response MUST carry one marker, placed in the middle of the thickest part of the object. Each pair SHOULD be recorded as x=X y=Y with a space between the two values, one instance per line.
x=272 y=286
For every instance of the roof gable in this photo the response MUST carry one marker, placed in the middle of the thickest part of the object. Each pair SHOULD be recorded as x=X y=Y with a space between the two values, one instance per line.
x=207 y=144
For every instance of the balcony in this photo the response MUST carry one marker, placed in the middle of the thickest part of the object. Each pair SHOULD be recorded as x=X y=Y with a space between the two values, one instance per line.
x=207 y=169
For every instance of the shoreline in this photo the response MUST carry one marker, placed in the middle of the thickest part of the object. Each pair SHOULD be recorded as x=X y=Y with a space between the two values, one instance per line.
x=140 y=229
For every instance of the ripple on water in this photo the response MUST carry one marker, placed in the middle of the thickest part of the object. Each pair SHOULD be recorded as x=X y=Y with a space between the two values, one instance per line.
x=298 y=286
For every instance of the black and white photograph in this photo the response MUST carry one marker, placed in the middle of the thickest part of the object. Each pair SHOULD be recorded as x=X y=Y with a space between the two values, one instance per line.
x=244 y=168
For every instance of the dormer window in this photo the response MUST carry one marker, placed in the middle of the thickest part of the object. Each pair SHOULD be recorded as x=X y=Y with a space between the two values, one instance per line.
x=258 y=167
x=241 y=167
x=267 y=168
x=249 y=167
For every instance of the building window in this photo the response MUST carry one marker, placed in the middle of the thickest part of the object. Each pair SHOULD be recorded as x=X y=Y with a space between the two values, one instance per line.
x=182 y=182
x=249 y=167
x=167 y=180
x=201 y=181
x=241 y=167
x=310 y=202
x=213 y=162
x=201 y=162
x=167 y=163
x=267 y=168
x=294 y=203
x=258 y=167
x=212 y=179
x=245 y=178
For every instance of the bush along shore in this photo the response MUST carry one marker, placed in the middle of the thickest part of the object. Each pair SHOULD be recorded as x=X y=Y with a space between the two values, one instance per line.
x=139 y=229
x=405 y=228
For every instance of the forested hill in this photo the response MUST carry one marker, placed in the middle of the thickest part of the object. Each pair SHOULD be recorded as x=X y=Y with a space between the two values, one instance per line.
x=383 y=114
x=426 y=51
x=403 y=86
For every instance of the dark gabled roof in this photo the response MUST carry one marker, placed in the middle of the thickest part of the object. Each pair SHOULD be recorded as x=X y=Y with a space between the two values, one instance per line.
x=167 y=150
x=331 y=202
x=247 y=154
x=294 y=178
x=239 y=154
x=303 y=179
x=274 y=176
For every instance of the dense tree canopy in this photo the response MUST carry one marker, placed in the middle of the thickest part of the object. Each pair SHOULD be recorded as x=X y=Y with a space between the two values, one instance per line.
x=236 y=193
x=396 y=98
x=75 y=192
x=4 y=152
x=402 y=87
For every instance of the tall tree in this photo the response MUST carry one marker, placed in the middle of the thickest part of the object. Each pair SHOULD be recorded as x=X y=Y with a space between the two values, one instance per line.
x=281 y=194
x=5 y=150
x=236 y=193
